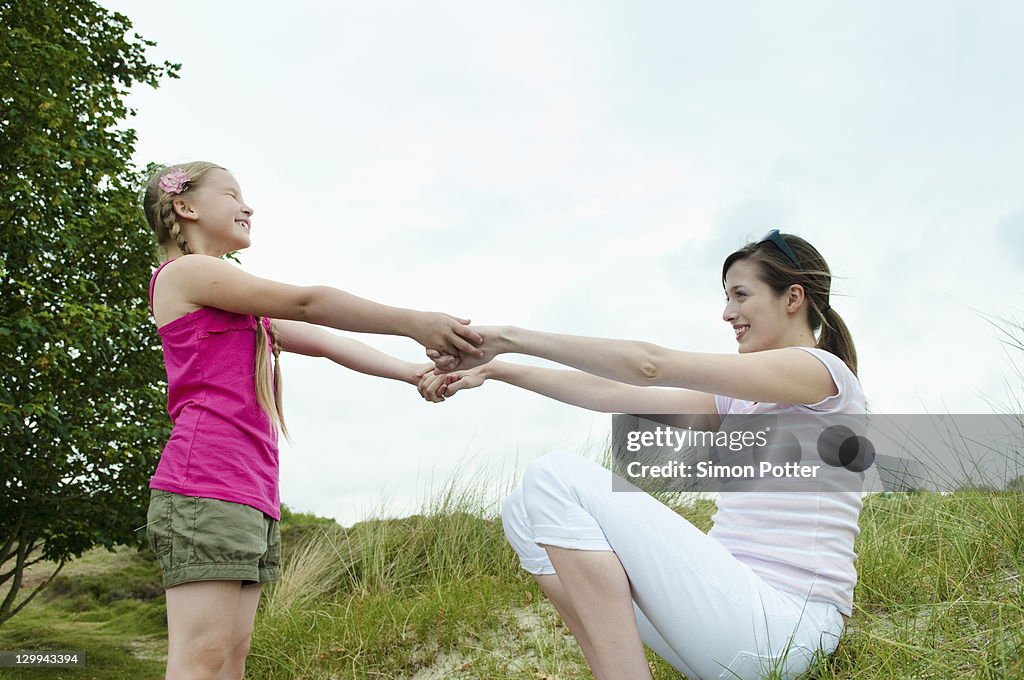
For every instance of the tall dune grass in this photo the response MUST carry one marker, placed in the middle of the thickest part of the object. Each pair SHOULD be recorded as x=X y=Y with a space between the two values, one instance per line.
x=440 y=594
x=386 y=596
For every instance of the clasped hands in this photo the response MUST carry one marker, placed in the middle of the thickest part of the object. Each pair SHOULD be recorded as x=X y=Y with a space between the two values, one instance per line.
x=453 y=372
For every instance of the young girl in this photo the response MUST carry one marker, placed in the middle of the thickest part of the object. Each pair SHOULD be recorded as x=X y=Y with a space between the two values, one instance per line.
x=772 y=583
x=214 y=510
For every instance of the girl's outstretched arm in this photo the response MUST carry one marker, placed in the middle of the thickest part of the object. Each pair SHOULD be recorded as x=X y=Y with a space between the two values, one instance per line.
x=788 y=376
x=576 y=388
x=206 y=281
x=303 y=338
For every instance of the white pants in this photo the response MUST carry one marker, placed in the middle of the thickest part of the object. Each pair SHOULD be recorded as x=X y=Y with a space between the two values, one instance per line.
x=697 y=606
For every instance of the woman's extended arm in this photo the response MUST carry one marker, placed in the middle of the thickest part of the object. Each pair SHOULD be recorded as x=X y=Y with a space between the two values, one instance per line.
x=302 y=338
x=577 y=388
x=773 y=376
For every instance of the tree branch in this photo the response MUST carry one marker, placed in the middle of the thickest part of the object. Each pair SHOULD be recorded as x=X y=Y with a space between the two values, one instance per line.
x=5 y=577
x=19 y=566
x=39 y=588
x=5 y=551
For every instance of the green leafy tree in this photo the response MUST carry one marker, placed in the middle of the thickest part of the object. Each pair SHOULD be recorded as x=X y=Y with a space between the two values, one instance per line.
x=82 y=417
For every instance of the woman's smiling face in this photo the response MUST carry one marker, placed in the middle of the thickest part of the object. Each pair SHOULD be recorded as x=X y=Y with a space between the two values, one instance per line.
x=758 y=316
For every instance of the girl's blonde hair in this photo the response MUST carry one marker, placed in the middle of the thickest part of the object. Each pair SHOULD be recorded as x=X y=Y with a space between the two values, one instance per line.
x=159 y=208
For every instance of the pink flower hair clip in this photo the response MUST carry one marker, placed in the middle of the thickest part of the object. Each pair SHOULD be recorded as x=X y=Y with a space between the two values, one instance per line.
x=174 y=181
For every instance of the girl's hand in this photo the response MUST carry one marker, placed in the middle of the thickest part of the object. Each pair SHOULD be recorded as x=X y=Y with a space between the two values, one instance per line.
x=446 y=333
x=436 y=388
x=430 y=386
x=490 y=347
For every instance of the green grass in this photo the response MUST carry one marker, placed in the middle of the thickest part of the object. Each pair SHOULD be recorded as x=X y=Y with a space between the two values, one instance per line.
x=109 y=605
x=939 y=595
x=441 y=595
x=940 y=590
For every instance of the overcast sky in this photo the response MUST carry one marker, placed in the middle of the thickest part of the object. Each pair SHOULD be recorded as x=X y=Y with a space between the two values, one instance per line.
x=585 y=167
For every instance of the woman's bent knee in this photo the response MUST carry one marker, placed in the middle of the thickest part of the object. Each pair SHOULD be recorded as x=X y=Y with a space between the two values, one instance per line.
x=519 y=534
x=510 y=510
x=515 y=523
x=550 y=469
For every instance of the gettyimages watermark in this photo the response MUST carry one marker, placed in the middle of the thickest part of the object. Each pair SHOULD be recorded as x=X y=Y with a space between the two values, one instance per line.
x=818 y=453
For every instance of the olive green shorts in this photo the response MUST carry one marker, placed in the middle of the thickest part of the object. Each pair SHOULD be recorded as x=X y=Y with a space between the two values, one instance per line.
x=205 y=539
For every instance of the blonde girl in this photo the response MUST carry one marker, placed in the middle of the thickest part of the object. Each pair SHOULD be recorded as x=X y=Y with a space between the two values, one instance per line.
x=214 y=509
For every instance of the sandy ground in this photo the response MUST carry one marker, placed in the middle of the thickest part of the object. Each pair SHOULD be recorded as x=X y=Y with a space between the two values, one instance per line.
x=518 y=650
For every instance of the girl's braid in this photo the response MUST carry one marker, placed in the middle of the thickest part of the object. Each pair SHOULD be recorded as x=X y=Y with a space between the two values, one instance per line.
x=169 y=220
x=275 y=341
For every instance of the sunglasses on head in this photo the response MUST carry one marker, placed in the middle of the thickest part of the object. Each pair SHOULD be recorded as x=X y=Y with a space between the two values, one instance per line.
x=775 y=237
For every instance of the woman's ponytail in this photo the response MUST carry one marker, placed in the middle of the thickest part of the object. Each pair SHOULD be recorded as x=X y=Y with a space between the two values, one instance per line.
x=835 y=338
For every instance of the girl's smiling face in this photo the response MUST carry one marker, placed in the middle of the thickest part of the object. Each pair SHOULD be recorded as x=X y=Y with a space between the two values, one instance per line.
x=760 y=318
x=220 y=219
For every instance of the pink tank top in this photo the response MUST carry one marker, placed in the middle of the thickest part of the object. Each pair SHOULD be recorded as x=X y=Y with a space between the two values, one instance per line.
x=222 y=445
